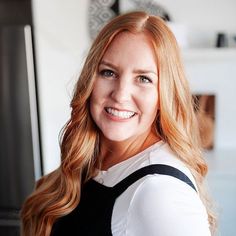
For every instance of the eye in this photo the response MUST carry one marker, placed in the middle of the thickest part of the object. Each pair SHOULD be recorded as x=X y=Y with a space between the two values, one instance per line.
x=144 y=79
x=107 y=73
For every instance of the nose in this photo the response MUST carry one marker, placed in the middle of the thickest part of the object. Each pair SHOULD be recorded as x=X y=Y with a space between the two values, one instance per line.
x=122 y=90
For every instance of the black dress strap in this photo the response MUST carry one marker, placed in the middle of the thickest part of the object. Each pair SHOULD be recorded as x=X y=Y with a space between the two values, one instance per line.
x=151 y=169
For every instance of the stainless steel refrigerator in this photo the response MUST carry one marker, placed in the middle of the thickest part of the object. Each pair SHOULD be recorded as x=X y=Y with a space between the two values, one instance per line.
x=20 y=152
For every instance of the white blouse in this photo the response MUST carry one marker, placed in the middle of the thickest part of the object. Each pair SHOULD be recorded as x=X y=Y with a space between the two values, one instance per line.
x=155 y=205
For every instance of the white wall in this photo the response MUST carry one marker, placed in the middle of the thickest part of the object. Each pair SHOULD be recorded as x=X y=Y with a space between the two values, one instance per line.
x=62 y=39
x=216 y=15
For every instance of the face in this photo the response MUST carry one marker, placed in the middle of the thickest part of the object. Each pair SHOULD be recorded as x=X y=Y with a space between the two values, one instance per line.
x=124 y=100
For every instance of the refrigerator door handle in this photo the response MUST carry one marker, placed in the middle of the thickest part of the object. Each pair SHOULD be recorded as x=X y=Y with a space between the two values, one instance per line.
x=32 y=101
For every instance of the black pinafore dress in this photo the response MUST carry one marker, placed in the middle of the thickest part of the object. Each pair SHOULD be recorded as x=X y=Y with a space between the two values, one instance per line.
x=92 y=217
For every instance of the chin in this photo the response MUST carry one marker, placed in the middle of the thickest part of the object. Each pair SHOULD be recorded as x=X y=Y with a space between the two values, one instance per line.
x=117 y=137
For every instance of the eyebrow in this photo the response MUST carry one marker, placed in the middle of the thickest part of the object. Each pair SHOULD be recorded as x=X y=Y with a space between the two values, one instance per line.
x=138 y=71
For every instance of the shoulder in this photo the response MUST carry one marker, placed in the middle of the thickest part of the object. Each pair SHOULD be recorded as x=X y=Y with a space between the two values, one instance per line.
x=164 y=155
x=164 y=205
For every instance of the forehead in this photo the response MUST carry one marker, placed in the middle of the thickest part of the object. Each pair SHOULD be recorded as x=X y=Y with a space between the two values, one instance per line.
x=130 y=49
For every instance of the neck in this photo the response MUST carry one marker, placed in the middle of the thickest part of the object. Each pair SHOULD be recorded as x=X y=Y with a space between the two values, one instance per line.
x=113 y=152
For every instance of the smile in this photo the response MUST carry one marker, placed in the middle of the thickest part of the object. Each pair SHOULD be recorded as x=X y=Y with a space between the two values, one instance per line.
x=120 y=114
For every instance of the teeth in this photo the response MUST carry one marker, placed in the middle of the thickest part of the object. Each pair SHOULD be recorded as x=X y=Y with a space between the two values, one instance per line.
x=121 y=114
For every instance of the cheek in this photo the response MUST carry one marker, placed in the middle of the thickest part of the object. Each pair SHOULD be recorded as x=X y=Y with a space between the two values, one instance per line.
x=97 y=99
x=149 y=102
x=94 y=99
x=96 y=95
x=100 y=90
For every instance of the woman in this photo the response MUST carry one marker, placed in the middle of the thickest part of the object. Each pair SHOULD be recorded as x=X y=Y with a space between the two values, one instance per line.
x=131 y=159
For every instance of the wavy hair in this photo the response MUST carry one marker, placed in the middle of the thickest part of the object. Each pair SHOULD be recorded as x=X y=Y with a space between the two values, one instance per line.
x=58 y=193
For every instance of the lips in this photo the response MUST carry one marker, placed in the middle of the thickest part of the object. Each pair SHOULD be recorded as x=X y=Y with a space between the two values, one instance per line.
x=124 y=114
